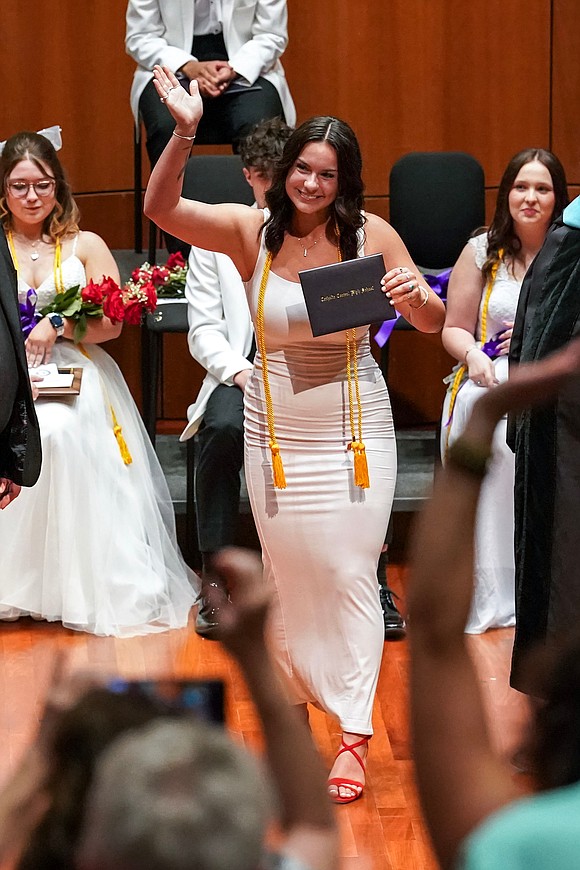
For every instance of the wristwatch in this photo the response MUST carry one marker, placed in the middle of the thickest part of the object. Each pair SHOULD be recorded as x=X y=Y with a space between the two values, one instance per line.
x=57 y=321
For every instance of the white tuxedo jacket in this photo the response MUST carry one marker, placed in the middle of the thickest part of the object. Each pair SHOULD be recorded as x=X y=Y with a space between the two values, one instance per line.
x=255 y=33
x=220 y=329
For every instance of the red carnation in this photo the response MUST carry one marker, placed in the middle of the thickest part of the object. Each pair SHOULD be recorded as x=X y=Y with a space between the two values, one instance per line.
x=175 y=261
x=113 y=307
x=92 y=293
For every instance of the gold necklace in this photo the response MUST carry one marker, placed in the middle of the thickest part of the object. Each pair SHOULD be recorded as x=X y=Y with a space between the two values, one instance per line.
x=307 y=248
x=57 y=265
x=34 y=255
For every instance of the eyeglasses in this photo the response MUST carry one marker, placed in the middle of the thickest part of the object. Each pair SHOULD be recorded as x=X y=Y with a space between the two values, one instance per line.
x=19 y=189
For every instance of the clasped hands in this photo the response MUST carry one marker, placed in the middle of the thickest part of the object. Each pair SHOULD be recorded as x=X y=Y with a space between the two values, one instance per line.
x=212 y=76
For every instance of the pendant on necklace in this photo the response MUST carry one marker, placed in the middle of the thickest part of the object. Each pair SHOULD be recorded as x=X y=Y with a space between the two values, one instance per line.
x=35 y=255
x=305 y=251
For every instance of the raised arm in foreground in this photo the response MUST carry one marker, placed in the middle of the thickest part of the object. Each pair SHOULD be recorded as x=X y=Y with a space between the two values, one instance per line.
x=297 y=771
x=461 y=781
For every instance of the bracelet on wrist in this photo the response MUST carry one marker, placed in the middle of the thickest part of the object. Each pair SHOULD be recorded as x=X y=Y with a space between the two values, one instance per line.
x=179 y=136
x=425 y=294
x=467 y=456
x=471 y=347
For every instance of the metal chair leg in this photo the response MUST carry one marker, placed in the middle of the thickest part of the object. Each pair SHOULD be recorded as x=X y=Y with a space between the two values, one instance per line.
x=193 y=553
x=137 y=189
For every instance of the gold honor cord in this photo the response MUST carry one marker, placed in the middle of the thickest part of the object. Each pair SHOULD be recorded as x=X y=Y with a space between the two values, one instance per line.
x=60 y=288
x=461 y=371
x=361 y=471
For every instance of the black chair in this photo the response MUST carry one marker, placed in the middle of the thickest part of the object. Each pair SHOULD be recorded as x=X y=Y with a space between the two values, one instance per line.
x=437 y=199
x=216 y=178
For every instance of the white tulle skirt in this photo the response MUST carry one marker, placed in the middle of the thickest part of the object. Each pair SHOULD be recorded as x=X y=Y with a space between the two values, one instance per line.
x=93 y=543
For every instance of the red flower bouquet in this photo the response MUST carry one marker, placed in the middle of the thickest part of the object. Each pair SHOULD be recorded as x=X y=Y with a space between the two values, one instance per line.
x=167 y=281
x=103 y=299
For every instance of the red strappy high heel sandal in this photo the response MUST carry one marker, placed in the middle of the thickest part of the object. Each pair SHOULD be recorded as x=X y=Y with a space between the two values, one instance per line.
x=349 y=783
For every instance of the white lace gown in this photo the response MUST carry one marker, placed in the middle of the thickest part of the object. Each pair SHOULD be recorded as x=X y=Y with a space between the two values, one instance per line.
x=322 y=535
x=493 y=603
x=93 y=543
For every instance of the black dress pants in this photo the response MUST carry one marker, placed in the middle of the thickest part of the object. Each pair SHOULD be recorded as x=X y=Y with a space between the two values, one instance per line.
x=226 y=119
x=220 y=451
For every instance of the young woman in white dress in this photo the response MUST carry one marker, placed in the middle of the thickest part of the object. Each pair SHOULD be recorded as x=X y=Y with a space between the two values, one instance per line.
x=321 y=535
x=483 y=295
x=93 y=543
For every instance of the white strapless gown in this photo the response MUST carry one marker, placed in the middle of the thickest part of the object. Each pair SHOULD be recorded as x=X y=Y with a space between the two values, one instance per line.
x=322 y=536
x=93 y=543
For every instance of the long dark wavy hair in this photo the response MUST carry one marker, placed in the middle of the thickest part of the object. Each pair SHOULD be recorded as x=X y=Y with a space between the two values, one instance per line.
x=346 y=210
x=63 y=219
x=501 y=233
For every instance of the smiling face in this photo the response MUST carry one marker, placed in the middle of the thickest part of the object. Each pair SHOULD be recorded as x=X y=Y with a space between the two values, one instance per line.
x=312 y=182
x=531 y=198
x=31 y=208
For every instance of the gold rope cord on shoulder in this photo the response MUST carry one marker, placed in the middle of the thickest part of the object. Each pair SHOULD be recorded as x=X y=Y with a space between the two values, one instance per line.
x=361 y=472
x=60 y=288
x=461 y=371
x=277 y=465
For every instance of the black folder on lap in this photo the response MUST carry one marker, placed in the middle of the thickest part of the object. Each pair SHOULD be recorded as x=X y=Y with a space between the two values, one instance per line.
x=347 y=294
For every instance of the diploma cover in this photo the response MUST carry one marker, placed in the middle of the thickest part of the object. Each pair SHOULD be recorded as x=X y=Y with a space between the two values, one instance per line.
x=346 y=294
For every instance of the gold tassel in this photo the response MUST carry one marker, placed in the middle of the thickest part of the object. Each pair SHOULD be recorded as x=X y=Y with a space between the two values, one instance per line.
x=277 y=467
x=118 y=432
x=361 y=467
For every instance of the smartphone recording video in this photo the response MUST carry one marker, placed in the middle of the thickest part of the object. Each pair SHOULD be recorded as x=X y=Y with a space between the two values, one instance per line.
x=204 y=699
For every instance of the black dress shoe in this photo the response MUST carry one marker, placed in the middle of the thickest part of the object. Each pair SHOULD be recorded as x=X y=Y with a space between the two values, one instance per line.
x=207 y=619
x=395 y=626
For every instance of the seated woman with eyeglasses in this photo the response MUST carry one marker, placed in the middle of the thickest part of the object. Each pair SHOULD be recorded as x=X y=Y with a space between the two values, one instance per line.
x=93 y=543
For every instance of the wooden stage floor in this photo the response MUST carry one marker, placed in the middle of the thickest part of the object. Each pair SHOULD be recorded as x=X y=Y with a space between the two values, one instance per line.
x=381 y=831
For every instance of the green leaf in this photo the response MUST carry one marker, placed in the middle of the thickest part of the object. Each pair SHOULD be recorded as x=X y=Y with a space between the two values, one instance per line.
x=80 y=329
x=62 y=301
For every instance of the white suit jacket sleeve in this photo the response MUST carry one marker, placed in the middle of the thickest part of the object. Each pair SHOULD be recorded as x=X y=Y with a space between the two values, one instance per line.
x=208 y=337
x=269 y=38
x=145 y=38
